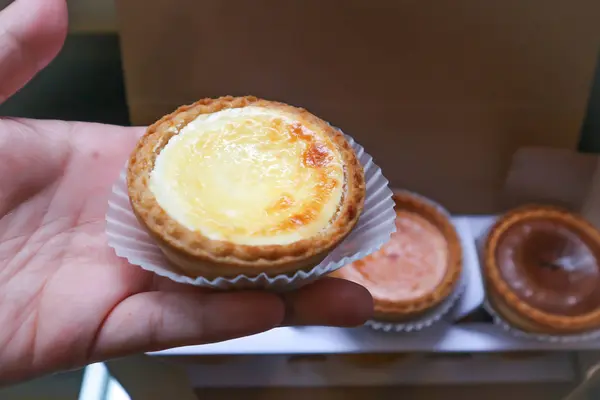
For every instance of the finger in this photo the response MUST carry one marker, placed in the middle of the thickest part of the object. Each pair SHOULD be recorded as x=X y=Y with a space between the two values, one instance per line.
x=31 y=34
x=138 y=131
x=329 y=302
x=154 y=321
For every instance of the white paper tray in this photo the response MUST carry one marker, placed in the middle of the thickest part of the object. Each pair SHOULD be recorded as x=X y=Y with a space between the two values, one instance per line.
x=445 y=337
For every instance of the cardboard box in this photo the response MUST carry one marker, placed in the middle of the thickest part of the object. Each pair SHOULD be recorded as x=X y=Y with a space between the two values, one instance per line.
x=441 y=93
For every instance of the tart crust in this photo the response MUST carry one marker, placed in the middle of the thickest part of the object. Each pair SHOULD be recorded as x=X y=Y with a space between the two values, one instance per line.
x=193 y=253
x=503 y=299
x=399 y=311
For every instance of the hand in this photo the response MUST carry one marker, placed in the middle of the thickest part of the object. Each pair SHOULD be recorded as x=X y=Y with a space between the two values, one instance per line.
x=65 y=298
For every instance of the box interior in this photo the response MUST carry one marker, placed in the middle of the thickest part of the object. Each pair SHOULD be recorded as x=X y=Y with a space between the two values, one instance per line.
x=442 y=94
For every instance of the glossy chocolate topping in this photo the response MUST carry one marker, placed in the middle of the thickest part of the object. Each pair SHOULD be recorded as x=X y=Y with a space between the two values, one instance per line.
x=550 y=267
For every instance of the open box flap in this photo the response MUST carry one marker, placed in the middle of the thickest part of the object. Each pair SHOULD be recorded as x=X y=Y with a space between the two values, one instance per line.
x=560 y=177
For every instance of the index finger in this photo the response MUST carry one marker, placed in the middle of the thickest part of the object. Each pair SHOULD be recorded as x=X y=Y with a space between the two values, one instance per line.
x=31 y=34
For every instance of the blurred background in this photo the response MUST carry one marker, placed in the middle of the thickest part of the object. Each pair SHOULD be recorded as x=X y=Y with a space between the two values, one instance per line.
x=85 y=82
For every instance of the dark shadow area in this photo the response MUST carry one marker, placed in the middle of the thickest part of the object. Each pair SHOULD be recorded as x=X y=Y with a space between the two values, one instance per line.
x=84 y=83
x=590 y=130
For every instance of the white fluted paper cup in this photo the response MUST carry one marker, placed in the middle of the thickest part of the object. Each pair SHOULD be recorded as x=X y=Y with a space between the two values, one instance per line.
x=374 y=227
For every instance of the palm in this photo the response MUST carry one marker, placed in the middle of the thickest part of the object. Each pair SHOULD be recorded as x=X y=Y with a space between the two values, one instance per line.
x=60 y=279
x=65 y=298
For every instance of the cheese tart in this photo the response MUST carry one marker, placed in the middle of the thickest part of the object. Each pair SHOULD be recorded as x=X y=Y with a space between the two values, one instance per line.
x=243 y=186
x=417 y=269
x=542 y=271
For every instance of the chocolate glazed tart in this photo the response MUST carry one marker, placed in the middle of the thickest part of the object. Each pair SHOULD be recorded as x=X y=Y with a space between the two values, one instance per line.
x=542 y=272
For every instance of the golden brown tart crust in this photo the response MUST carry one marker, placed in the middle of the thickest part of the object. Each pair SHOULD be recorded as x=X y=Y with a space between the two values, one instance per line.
x=516 y=311
x=398 y=311
x=197 y=255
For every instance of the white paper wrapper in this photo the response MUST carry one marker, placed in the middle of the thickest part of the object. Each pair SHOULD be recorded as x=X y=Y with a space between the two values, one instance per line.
x=507 y=327
x=374 y=227
x=441 y=311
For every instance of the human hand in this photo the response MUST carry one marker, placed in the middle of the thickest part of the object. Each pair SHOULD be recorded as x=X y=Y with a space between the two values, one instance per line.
x=65 y=299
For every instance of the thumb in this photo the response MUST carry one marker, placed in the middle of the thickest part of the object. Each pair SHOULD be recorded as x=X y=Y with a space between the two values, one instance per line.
x=153 y=321
x=31 y=35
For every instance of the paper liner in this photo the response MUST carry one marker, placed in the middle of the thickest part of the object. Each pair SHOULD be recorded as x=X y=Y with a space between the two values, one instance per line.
x=428 y=319
x=568 y=338
x=375 y=225
x=441 y=310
